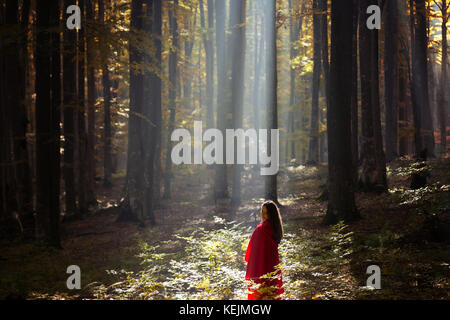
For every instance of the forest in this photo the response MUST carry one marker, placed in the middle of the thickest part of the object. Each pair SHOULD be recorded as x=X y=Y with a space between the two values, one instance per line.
x=350 y=98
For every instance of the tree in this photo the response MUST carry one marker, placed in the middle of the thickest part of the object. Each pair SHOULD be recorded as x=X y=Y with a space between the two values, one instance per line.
x=91 y=98
x=323 y=8
x=81 y=106
x=107 y=162
x=294 y=32
x=271 y=192
x=173 y=58
x=373 y=177
x=70 y=105
x=443 y=7
x=221 y=185
x=354 y=97
x=47 y=122
x=133 y=207
x=237 y=24
x=314 y=129
x=209 y=56
x=15 y=113
x=391 y=72
x=420 y=80
x=156 y=80
x=341 y=204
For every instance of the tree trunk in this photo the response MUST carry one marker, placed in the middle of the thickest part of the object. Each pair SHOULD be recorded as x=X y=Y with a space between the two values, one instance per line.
x=373 y=176
x=443 y=88
x=70 y=104
x=156 y=29
x=391 y=54
x=341 y=204
x=133 y=206
x=16 y=121
x=421 y=73
x=47 y=122
x=91 y=99
x=107 y=161
x=173 y=57
x=354 y=97
x=414 y=87
x=221 y=184
x=209 y=56
x=271 y=192
x=314 y=128
x=82 y=133
x=237 y=15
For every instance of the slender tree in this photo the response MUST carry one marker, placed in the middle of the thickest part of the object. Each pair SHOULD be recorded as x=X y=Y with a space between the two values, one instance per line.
x=271 y=192
x=391 y=74
x=314 y=128
x=133 y=206
x=70 y=105
x=209 y=56
x=107 y=161
x=47 y=122
x=156 y=80
x=221 y=185
x=421 y=76
x=354 y=96
x=341 y=204
x=237 y=18
x=91 y=98
x=373 y=175
x=173 y=58
x=443 y=6
x=81 y=106
x=16 y=120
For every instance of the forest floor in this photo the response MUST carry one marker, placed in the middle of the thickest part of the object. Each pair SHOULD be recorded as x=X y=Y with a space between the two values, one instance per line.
x=196 y=249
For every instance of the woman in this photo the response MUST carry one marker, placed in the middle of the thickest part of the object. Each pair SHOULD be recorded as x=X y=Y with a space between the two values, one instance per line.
x=262 y=255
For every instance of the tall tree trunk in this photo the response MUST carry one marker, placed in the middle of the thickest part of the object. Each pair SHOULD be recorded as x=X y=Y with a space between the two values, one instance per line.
x=271 y=192
x=107 y=161
x=3 y=133
x=341 y=204
x=16 y=120
x=373 y=176
x=257 y=66
x=47 y=122
x=354 y=96
x=323 y=7
x=133 y=207
x=421 y=73
x=91 y=99
x=314 y=128
x=188 y=47
x=82 y=133
x=156 y=30
x=237 y=15
x=414 y=86
x=443 y=114
x=221 y=184
x=391 y=72
x=209 y=56
x=173 y=57
x=294 y=32
x=70 y=104
x=149 y=128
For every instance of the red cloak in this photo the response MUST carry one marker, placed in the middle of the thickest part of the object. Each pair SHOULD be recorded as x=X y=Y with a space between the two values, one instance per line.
x=262 y=257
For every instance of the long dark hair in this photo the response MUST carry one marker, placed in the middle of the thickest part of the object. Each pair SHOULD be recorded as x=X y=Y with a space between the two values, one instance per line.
x=276 y=224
